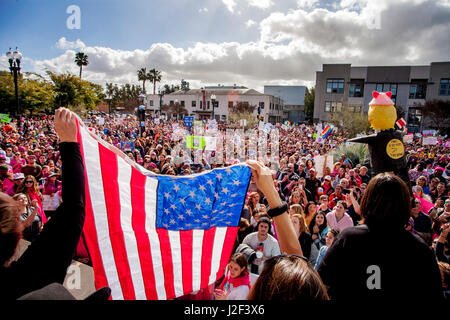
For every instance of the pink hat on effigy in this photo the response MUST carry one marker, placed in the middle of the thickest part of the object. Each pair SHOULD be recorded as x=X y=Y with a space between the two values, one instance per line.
x=381 y=99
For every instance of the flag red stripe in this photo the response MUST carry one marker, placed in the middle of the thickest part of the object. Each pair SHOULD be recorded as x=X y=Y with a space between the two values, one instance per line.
x=108 y=162
x=89 y=229
x=166 y=257
x=228 y=244
x=137 y=185
x=186 y=259
x=207 y=251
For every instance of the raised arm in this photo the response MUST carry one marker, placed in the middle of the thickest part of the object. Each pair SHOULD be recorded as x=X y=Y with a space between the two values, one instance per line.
x=50 y=255
x=287 y=237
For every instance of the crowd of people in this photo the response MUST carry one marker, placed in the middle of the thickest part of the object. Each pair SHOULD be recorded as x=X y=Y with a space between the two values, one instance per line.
x=320 y=207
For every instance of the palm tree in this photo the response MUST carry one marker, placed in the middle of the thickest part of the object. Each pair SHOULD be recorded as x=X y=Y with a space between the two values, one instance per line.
x=81 y=60
x=143 y=76
x=154 y=76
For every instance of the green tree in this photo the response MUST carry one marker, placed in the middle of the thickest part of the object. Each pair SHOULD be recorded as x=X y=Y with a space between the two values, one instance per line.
x=143 y=76
x=71 y=91
x=174 y=109
x=309 y=103
x=242 y=111
x=35 y=93
x=169 y=89
x=351 y=123
x=81 y=59
x=437 y=114
x=154 y=76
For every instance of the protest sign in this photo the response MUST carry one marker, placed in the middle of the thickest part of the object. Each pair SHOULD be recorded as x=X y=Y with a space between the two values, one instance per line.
x=195 y=142
x=429 y=141
x=127 y=146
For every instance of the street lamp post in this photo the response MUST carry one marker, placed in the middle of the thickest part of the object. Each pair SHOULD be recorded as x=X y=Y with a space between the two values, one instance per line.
x=213 y=100
x=161 y=94
x=14 y=59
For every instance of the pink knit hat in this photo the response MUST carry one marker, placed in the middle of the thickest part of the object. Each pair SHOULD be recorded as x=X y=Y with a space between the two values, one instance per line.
x=381 y=99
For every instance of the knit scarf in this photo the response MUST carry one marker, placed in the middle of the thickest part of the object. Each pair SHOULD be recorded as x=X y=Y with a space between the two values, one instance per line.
x=236 y=282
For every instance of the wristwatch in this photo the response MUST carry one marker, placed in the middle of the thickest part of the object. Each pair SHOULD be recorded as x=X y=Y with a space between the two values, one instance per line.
x=273 y=212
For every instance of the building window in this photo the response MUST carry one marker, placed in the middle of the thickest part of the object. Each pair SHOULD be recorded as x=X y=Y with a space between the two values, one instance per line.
x=355 y=108
x=207 y=104
x=194 y=103
x=171 y=102
x=151 y=103
x=333 y=106
x=417 y=91
x=182 y=103
x=444 y=89
x=261 y=104
x=335 y=85
x=379 y=87
x=230 y=104
x=201 y=104
x=355 y=90
x=392 y=87
x=414 y=119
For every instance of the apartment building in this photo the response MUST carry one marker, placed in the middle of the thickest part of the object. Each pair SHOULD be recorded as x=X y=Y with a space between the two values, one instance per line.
x=341 y=86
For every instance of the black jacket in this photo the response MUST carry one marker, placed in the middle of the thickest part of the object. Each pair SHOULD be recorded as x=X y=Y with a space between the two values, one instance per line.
x=46 y=260
x=369 y=265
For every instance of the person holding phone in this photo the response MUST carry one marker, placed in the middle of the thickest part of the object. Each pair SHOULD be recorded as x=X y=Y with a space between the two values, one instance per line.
x=236 y=282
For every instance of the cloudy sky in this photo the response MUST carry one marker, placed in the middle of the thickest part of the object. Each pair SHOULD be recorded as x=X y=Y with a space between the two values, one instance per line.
x=209 y=42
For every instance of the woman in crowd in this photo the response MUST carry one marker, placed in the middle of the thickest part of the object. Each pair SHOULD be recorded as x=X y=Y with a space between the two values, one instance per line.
x=310 y=211
x=338 y=218
x=17 y=162
x=53 y=189
x=253 y=203
x=296 y=209
x=319 y=229
x=236 y=283
x=329 y=239
x=369 y=257
x=32 y=222
x=31 y=189
x=304 y=237
x=423 y=182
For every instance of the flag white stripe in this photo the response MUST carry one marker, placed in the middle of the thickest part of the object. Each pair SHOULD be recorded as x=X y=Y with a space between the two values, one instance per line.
x=219 y=239
x=197 y=246
x=175 y=246
x=97 y=195
x=126 y=211
x=151 y=186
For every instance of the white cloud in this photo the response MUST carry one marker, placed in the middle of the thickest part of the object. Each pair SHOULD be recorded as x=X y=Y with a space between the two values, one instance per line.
x=307 y=4
x=64 y=44
x=230 y=4
x=262 y=4
x=250 y=23
x=291 y=48
x=203 y=10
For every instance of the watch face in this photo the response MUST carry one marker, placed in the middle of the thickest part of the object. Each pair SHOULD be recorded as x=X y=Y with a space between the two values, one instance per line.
x=259 y=254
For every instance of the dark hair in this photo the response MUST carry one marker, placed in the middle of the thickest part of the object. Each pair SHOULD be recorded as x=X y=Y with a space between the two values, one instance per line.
x=10 y=232
x=263 y=220
x=313 y=222
x=386 y=204
x=241 y=260
x=288 y=278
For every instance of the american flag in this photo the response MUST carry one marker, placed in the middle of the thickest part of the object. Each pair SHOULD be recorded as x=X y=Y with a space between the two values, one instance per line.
x=152 y=236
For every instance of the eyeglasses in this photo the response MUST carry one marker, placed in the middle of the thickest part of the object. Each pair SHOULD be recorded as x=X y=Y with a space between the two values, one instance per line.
x=28 y=181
